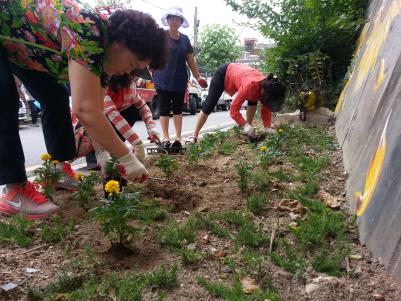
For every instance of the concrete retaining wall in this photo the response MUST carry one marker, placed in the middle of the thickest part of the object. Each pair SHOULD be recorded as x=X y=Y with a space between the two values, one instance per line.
x=368 y=126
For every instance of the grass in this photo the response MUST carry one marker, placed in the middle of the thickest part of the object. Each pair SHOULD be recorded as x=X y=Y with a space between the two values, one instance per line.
x=209 y=224
x=256 y=203
x=129 y=287
x=56 y=231
x=16 y=230
x=244 y=170
x=189 y=257
x=235 y=291
x=176 y=236
x=250 y=235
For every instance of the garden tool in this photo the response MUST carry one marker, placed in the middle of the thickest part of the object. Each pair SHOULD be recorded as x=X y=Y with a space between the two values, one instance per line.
x=159 y=149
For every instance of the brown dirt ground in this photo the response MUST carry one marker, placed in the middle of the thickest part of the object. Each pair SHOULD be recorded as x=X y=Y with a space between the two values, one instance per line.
x=207 y=187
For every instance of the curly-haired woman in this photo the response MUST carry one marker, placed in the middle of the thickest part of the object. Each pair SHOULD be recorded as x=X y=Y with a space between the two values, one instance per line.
x=47 y=44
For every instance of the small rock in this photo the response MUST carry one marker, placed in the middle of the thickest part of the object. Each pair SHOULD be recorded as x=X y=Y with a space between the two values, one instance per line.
x=226 y=269
x=293 y=216
x=356 y=257
x=309 y=288
x=378 y=296
x=321 y=279
x=249 y=285
x=8 y=287
x=213 y=250
x=293 y=224
x=191 y=246
x=76 y=227
x=358 y=271
x=205 y=238
x=31 y=270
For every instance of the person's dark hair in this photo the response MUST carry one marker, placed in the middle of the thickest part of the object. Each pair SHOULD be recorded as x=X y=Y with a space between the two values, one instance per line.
x=275 y=92
x=139 y=33
x=117 y=82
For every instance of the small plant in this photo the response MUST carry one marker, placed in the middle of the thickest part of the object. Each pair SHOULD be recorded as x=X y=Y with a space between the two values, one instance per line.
x=250 y=235
x=292 y=260
x=85 y=188
x=226 y=148
x=207 y=223
x=265 y=155
x=243 y=171
x=167 y=164
x=236 y=218
x=261 y=179
x=176 y=236
x=48 y=174
x=55 y=232
x=189 y=257
x=256 y=203
x=16 y=229
x=236 y=292
x=115 y=215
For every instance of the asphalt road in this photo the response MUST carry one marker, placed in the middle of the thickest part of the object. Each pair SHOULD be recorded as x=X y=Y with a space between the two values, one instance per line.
x=34 y=145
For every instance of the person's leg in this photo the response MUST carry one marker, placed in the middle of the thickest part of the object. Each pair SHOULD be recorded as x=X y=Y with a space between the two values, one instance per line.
x=56 y=121
x=216 y=88
x=56 y=115
x=19 y=195
x=178 y=104
x=165 y=107
x=250 y=111
x=34 y=111
x=12 y=161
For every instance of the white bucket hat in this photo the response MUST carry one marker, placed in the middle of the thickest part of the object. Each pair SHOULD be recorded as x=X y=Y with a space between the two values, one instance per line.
x=175 y=11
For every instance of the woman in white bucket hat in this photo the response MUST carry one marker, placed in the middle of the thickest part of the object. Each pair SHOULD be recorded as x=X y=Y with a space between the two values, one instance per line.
x=172 y=81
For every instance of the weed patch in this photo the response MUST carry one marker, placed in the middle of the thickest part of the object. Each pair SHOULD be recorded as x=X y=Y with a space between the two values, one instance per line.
x=16 y=230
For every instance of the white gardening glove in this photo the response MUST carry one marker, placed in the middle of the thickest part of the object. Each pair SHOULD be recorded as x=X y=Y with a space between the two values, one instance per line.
x=248 y=130
x=140 y=152
x=154 y=135
x=102 y=157
x=135 y=170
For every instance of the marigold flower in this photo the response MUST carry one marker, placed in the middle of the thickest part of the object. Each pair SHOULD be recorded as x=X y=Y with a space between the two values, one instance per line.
x=280 y=130
x=112 y=187
x=45 y=157
x=78 y=176
x=54 y=162
x=263 y=148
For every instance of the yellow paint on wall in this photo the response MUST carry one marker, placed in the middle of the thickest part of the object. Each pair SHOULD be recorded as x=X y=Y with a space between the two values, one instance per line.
x=374 y=173
x=380 y=76
x=341 y=102
x=375 y=41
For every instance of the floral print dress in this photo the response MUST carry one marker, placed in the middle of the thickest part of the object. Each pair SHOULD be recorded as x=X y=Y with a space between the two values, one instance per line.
x=42 y=35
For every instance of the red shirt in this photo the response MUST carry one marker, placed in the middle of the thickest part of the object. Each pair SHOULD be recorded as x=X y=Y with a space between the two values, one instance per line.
x=245 y=81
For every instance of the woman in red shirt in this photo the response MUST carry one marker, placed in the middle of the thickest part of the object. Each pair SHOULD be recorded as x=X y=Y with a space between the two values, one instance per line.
x=249 y=84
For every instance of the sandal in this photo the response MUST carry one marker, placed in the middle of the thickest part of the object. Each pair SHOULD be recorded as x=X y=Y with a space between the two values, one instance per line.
x=191 y=140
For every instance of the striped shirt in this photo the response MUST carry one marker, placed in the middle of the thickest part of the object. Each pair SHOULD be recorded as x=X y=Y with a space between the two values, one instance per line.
x=115 y=102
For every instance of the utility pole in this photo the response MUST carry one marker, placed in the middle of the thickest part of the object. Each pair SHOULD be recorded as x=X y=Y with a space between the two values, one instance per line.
x=196 y=31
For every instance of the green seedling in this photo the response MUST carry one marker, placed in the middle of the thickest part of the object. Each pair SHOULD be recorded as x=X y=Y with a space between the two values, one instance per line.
x=292 y=260
x=214 y=228
x=176 y=236
x=243 y=175
x=236 y=218
x=149 y=211
x=16 y=229
x=190 y=257
x=167 y=164
x=85 y=189
x=56 y=231
x=256 y=203
x=250 y=235
x=235 y=292
x=261 y=179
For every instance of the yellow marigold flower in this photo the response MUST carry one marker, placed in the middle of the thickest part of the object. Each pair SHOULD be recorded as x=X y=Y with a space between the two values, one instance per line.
x=78 y=176
x=280 y=130
x=45 y=157
x=54 y=162
x=112 y=186
x=263 y=148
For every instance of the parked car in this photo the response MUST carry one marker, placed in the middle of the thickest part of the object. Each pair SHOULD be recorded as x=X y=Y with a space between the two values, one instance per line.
x=224 y=102
x=22 y=115
x=192 y=100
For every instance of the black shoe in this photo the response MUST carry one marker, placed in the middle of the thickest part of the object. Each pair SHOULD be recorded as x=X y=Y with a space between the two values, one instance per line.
x=176 y=147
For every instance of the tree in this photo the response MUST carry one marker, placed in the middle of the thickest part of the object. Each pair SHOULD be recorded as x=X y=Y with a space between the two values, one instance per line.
x=315 y=39
x=218 y=45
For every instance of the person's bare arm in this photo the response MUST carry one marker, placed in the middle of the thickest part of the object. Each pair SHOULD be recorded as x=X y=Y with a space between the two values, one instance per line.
x=87 y=104
x=193 y=66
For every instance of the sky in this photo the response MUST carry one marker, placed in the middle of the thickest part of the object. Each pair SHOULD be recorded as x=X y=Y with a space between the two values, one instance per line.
x=209 y=12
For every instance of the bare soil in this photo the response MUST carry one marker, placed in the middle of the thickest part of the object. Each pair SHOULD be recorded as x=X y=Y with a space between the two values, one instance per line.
x=209 y=186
